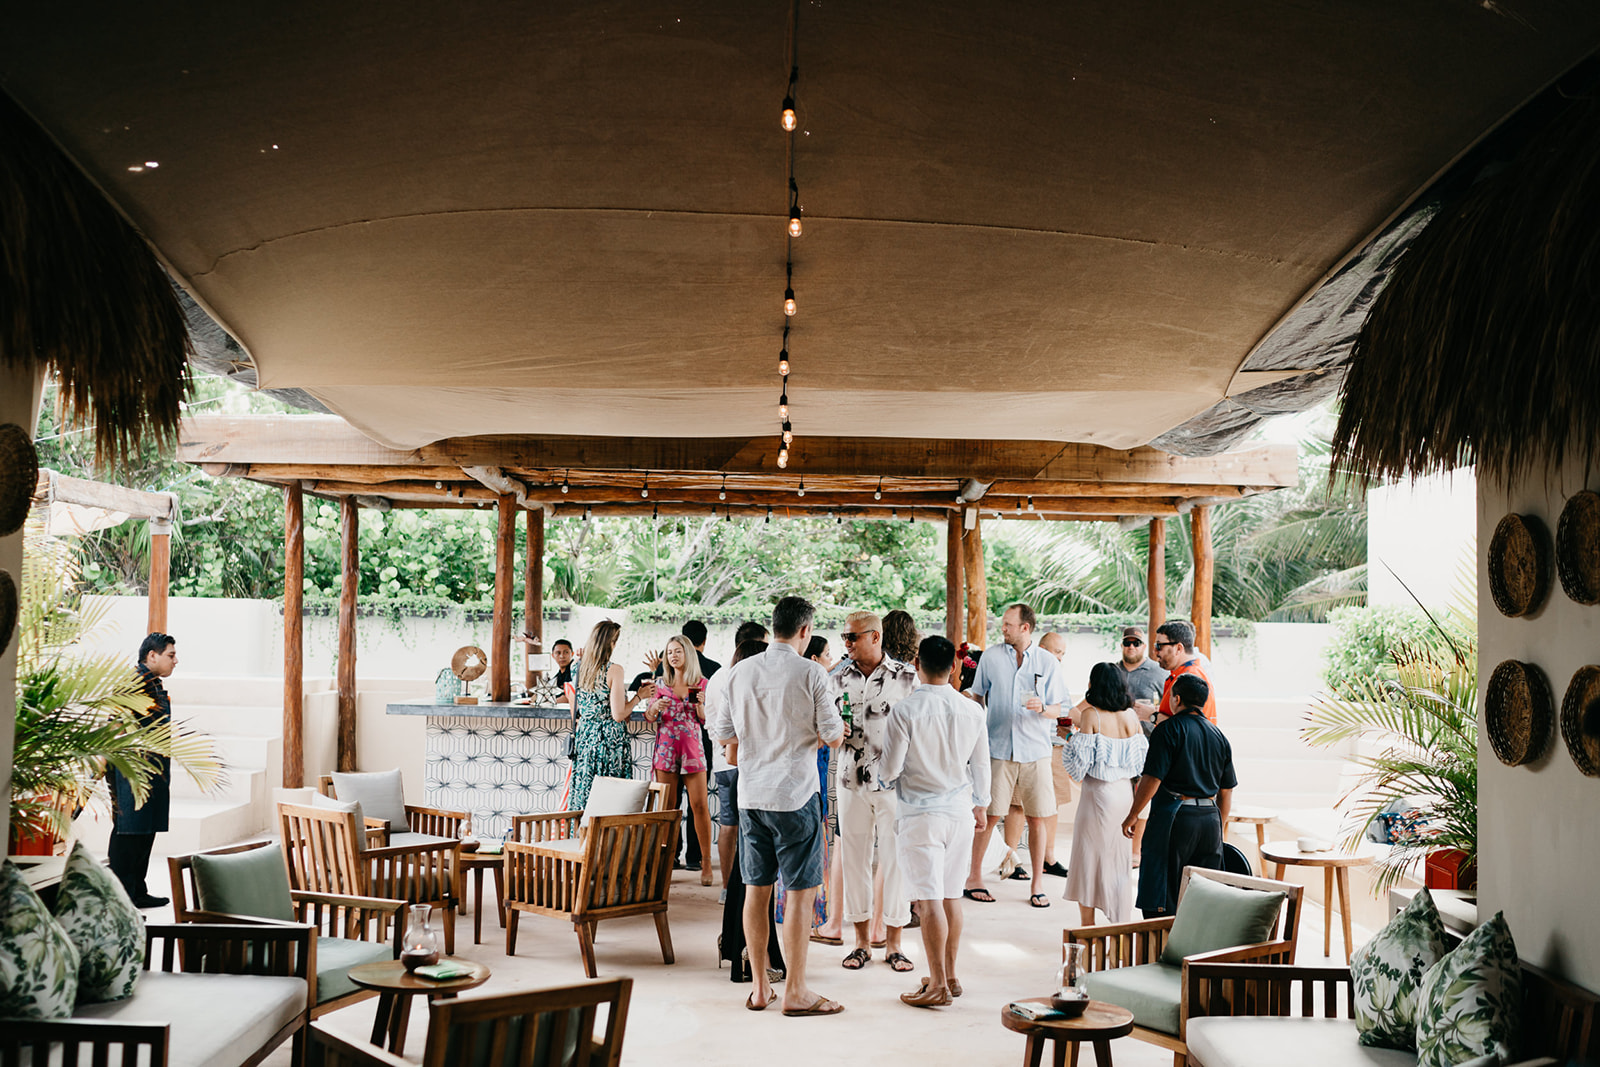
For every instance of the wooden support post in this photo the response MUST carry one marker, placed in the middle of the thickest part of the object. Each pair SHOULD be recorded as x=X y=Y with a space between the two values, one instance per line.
x=160 y=574
x=1155 y=583
x=294 y=569
x=977 y=586
x=1205 y=560
x=350 y=570
x=954 y=581
x=505 y=550
x=533 y=587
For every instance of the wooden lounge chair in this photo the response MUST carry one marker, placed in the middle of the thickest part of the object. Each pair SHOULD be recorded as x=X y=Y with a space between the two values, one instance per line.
x=543 y=1028
x=322 y=853
x=423 y=821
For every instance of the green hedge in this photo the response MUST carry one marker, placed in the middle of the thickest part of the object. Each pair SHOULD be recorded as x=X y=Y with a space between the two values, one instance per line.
x=1364 y=640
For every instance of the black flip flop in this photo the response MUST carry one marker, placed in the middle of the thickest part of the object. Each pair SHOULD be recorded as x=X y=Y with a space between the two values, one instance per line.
x=972 y=894
x=856 y=959
x=1035 y=899
x=1019 y=873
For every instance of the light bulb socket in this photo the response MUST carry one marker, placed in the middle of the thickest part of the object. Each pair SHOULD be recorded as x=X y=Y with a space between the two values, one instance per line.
x=789 y=306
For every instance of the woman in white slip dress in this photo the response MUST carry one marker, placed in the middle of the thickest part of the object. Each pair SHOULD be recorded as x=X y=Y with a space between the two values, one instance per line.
x=1105 y=754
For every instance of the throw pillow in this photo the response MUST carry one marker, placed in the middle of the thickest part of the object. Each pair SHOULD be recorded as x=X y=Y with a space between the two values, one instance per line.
x=1214 y=916
x=253 y=882
x=95 y=911
x=1386 y=971
x=381 y=795
x=38 y=962
x=320 y=801
x=1469 y=1004
x=615 y=796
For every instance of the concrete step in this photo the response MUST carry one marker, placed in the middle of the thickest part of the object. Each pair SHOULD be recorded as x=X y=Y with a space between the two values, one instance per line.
x=200 y=824
x=236 y=720
x=1277 y=742
x=186 y=688
x=1315 y=779
x=244 y=785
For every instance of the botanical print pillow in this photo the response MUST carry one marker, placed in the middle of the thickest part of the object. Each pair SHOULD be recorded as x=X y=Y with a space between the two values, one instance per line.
x=1386 y=971
x=94 y=910
x=38 y=963
x=1470 y=1003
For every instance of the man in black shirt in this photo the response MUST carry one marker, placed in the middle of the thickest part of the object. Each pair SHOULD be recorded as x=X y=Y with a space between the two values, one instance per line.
x=561 y=654
x=1189 y=776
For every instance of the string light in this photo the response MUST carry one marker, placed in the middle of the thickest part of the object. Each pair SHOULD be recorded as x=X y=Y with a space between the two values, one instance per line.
x=722 y=494
x=788 y=434
x=788 y=119
x=894 y=514
x=877 y=494
x=588 y=513
x=783 y=457
x=789 y=306
x=1019 y=506
x=783 y=403
x=655 y=511
x=769 y=515
x=795 y=229
x=1030 y=503
x=566 y=483
x=783 y=368
x=802 y=489
x=644 y=491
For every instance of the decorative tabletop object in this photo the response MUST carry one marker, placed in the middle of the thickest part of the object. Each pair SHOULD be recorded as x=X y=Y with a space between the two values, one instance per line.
x=1518 y=710
x=1519 y=565
x=468 y=664
x=1578 y=547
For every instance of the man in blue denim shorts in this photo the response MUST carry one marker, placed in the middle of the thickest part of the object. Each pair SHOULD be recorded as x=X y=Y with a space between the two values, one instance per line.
x=778 y=705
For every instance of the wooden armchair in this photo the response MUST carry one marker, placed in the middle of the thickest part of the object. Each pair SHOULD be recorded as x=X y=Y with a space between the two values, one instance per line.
x=431 y=822
x=1157 y=992
x=323 y=854
x=349 y=930
x=543 y=1028
x=618 y=865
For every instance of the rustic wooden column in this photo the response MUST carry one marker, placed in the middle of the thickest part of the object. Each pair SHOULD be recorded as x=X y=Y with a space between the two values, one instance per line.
x=350 y=570
x=160 y=575
x=1155 y=583
x=294 y=570
x=1205 y=560
x=977 y=585
x=505 y=550
x=533 y=586
x=954 y=580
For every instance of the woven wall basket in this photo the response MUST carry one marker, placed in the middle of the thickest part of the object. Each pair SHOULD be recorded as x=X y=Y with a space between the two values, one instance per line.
x=1578 y=548
x=8 y=610
x=1519 y=565
x=1580 y=720
x=1518 y=711
x=19 y=474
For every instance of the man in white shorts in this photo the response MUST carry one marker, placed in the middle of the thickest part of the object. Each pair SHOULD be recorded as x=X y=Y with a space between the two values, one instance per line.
x=936 y=755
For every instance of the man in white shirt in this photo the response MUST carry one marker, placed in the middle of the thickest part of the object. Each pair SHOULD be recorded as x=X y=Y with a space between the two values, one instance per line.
x=936 y=754
x=1021 y=687
x=873 y=683
x=778 y=705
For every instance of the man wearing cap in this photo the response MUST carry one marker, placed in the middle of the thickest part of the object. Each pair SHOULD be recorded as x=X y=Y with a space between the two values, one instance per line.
x=873 y=683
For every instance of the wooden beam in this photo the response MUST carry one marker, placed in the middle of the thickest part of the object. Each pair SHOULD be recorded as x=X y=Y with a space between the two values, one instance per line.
x=350 y=569
x=349 y=472
x=977 y=586
x=294 y=570
x=160 y=575
x=1016 y=487
x=1205 y=559
x=533 y=588
x=505 y=550
x=136 y=503
x=1156 y=580
x=954 y=582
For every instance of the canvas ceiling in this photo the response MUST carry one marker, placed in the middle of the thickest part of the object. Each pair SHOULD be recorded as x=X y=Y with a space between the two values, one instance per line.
x=1037 y=221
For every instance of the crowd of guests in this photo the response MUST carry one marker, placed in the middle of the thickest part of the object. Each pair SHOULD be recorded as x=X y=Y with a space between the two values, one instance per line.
x=882 y=769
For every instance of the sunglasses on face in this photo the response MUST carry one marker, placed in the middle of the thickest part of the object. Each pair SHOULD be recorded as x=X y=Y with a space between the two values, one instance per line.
x=857 y=637
x=1133 y=642
x=1165 y=644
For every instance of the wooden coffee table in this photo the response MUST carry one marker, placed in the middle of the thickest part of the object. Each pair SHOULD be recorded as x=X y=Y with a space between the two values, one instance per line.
x=1099 y=1023
x=396 y=986
x=1335 y=869
x=474 y=864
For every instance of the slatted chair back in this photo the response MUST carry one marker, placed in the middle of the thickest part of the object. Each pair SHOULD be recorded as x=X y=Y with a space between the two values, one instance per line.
x=656 y=796
x=435 y=822
x=321 y=850
x=630 y=861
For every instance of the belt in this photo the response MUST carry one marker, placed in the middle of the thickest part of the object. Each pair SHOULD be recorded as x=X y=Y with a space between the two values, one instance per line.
x=1197 y=802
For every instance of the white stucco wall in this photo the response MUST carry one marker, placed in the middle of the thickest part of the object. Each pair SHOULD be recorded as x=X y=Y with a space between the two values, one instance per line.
x=1420 y=533
x=1539 y=838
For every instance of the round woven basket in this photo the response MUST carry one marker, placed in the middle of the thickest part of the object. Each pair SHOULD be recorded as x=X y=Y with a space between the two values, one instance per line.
x=19 y=475
x=1578 y=547
x=8 y=610
x=469 y=662
x=1518 y=710
x=1519 y=565
x=1580 y=720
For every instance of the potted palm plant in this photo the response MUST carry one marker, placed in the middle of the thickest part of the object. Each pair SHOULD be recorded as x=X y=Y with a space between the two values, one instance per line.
x=1417 y=724
x=77 y=713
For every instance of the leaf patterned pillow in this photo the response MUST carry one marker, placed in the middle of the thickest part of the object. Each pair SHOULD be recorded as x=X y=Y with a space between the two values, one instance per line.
x=1386 y=971
x=1470 y=1002
x=38 y=963
x=94 y=910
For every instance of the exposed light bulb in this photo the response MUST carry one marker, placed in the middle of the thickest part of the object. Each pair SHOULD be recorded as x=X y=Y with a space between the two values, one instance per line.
x=588 y=513
x=790 y=120
x=655 y=511
x=789 y=306
x=795 y=229
x=722 y=494
x=802 y=490
x=1030 y=503
x=894 y=513
x=769 y=515
x=783 y=406
x=788 y=434
x=566 y=486
x=1019 y=507
x=783 y=457
x=877 y=494
x=783 y=363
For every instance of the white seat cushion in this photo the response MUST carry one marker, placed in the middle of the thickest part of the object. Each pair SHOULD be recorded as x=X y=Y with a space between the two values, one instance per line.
x=409 y=838
x=1265 y=1041
x=218 y=1020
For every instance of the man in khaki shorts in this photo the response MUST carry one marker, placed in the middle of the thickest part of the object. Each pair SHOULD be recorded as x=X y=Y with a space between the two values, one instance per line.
x=1020 y=686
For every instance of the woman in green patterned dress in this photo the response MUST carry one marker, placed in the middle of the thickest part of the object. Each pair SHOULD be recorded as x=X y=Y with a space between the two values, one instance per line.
x=603 y=747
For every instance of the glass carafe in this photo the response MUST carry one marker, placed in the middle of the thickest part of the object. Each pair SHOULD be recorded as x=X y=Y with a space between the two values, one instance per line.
x=419 y=945
x=1071 y=990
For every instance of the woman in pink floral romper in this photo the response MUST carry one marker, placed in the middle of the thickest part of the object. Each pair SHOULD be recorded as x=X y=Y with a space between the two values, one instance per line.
x=678 y=710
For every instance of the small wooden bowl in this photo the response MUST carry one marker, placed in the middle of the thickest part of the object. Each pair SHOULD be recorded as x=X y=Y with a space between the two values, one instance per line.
x=1071 y=1007
x=1519 y=565
x=1517 y=711
x=1580 y=720
x=1578 y=547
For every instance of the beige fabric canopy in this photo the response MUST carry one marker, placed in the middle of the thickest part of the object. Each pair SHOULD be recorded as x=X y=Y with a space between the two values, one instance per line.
x=1041 y=221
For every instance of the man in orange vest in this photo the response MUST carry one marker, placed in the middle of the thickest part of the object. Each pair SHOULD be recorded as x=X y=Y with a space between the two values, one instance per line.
x=1175 y=652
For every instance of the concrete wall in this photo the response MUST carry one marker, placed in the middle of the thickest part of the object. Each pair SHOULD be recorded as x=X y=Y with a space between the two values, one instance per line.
x=1421 y=534
x=1539 y=838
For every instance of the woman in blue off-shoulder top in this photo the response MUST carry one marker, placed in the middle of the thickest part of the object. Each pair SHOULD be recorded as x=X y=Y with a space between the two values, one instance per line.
x=1105 y=754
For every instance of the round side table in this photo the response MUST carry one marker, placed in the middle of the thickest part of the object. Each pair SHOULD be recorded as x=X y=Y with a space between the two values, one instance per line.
x=1335 y=868
x=396 y=986
x=1099 y=1023
x=473 y=865
x=1260 y=818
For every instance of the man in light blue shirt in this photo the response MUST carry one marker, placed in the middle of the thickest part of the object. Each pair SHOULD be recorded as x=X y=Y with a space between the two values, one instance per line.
x=1021 y=687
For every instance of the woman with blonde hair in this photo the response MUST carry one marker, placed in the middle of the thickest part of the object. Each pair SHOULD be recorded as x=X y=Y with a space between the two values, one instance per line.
x=678 y=711
x=601 y=705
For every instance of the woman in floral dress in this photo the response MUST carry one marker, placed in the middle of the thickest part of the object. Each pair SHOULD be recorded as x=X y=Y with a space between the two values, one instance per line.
x=678 y=712
x=603 y=747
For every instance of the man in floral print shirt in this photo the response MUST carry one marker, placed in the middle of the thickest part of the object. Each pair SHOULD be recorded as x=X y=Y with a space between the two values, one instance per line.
x=874 y=683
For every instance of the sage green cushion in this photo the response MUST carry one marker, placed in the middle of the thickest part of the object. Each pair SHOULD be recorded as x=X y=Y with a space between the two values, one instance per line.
x=244 y=883
x=335 y=957
x=1214 y=916
x=1386 y=971
x=38 y=961
x=381 y=794
x=1469 y=1004
x=1152 y=991
x=95 y=911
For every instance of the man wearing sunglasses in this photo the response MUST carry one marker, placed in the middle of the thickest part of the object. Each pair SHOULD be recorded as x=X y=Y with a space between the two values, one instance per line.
x=1175 y=651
